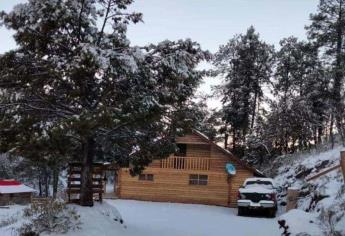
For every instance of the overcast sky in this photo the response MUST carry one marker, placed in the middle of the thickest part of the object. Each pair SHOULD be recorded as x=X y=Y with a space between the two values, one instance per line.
x=209 y=22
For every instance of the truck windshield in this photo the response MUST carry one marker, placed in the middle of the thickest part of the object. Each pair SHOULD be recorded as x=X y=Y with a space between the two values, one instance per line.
x=266 y=184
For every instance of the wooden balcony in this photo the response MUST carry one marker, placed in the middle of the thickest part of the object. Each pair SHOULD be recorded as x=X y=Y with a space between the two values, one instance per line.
x=186 y=163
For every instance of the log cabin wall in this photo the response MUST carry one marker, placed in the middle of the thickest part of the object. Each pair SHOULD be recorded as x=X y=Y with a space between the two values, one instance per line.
x=173 y=185
x=15 y=198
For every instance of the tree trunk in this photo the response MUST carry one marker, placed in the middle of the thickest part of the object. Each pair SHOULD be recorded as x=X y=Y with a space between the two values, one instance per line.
x=254 y=111
x=320 y=133
x=226 y=138
x=86 y=195
x=40 y=184
x=315 y=135
x=234 y=140
x=46 y=183
x=331 y=135
x=55 y=180
x=338 y=112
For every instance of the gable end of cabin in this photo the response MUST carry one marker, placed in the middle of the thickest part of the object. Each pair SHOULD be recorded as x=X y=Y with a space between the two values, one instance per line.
x=195 y=174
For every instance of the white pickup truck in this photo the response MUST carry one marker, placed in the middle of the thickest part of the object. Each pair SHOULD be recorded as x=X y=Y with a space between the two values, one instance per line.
x=257 y=194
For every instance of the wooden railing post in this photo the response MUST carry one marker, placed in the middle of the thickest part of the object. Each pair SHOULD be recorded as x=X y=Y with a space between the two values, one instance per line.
x=186 y=163
x=342 y=162
x=292 y=197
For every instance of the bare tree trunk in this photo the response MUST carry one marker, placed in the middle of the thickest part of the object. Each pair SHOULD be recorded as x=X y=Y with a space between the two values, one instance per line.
x=226 y=139
x=331 y=135
x=40 y=184
x=320 y=133
x=55 y=180
x=338 y=108
x=46 y=183
x=86 y=195
x=254 y=111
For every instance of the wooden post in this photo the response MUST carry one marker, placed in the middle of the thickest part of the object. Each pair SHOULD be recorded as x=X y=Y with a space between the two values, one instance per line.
x=291 y=201
x=342 y=162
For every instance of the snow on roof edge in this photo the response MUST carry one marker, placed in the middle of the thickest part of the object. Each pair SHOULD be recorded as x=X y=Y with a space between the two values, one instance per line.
x=16 y=189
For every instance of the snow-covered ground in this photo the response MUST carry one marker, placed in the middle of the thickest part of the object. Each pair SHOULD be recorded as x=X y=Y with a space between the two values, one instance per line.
x=10 y=220
x=165 y=219
x=322 y=200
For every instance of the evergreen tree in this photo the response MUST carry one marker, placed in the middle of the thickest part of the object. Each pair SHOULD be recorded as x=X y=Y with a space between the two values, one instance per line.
x=197 y=115
x=73 y=76
x=300 y=113
x=328 y=31
x=245 y=63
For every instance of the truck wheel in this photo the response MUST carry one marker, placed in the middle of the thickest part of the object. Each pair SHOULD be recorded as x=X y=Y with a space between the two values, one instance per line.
x=241 y=211
x=272 y=213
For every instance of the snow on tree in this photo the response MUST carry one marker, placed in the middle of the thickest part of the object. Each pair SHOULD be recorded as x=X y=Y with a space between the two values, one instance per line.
x=327 y=30
x=245 y=63
x=301 y=90
x=82 y=82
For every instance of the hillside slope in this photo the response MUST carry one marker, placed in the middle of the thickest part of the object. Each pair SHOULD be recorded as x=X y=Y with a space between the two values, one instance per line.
x=322 y=200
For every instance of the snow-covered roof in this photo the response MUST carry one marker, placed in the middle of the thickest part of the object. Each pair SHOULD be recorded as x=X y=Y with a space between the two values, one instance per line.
x=12 y=186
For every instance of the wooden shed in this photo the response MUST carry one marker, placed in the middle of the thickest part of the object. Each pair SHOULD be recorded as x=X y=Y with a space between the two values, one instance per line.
x=14 y=192
x=196 y=174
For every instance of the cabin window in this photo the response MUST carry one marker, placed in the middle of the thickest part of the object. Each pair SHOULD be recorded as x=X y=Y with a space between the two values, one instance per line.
x=149 y=177
x=198 y=179
x=146 y=177
x=181 y=150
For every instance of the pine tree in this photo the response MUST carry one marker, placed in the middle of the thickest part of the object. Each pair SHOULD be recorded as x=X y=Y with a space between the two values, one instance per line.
x=195 y=114
x=301 y=88
x=245 y=63
x=83 y=80
x=328 y=31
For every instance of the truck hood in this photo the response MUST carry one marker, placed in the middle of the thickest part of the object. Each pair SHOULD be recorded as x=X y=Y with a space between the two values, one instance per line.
x=256 y=189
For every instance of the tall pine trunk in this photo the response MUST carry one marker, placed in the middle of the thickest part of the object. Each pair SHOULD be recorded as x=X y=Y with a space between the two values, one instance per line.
x=40 y=184
x=226 y=138
x=46 y=182
x=338 y=109
x=55 y=180
x=234 y=140
x=320 y=133
x=331 y=135
x=254 y=111
x=86 y=195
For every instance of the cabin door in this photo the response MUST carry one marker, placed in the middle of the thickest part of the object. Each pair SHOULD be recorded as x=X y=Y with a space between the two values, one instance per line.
x=110 y=183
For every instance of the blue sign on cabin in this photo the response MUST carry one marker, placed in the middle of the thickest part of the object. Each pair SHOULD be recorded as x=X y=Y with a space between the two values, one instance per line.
x=230 y=168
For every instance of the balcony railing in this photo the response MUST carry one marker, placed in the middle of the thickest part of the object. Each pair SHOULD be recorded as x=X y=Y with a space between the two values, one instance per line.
x=186 y=163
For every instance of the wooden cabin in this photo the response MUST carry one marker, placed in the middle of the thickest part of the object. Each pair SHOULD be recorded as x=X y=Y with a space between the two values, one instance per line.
x=14 y=192
x=196 y=174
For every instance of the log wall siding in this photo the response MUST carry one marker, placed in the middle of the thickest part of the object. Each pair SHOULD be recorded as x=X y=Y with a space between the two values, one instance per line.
x=15 y=198
x=171 y=185
x=198 y=150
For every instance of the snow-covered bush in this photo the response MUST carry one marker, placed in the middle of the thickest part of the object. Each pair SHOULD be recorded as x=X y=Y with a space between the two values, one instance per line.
x=8 y=221
x=50 y=216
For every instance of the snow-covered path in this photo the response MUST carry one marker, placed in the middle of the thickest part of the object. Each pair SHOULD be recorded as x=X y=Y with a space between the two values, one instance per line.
x=171 y=219
x=157 y=219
